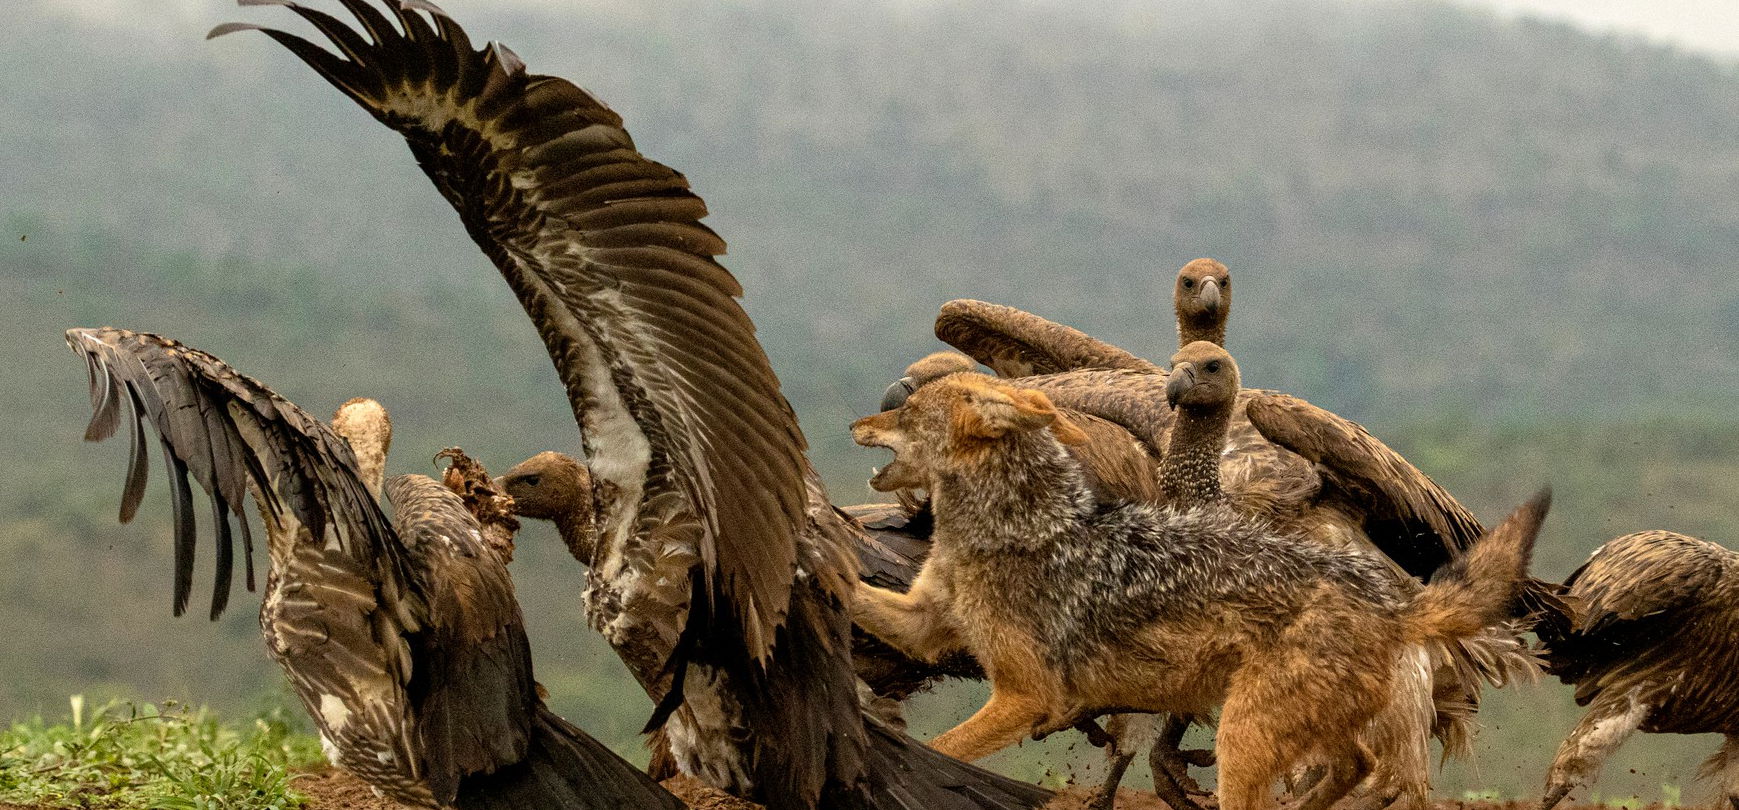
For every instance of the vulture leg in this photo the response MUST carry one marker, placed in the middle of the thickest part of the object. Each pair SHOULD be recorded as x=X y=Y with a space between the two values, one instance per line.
x=1608 y=723
x=1107 y=796
x=1128 y=733
x=1168 y=759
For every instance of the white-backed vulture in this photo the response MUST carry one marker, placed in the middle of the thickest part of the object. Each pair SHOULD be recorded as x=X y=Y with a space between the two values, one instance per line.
x=721 y=574
x=1650 y=640
x=402 y=638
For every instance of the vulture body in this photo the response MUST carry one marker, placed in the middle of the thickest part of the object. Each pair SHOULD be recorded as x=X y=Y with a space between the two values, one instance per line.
x=719 y=573
x=402 y=638
x=1650 y=640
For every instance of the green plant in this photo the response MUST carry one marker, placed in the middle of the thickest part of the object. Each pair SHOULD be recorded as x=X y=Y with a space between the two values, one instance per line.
x=125 y=755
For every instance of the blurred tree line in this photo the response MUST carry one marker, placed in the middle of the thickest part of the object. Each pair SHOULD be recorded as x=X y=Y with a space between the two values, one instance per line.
x=1504 y=246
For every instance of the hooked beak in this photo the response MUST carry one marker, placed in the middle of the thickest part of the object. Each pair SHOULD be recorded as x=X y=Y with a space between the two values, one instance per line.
x=897 y=393
x=1210 y=296
x=1181 y=379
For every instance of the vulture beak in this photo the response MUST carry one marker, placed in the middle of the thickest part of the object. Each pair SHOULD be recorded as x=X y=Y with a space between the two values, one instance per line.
x=1181 y=379
x=896 y=394
x=1210 y=295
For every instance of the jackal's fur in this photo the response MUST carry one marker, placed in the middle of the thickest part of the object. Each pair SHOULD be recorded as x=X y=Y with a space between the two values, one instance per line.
x=1075 y=609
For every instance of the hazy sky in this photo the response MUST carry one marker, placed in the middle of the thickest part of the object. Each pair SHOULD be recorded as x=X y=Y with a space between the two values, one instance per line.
x=1707 y=25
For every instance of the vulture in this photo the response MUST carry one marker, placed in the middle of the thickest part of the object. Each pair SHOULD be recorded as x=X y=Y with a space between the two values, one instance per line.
x=402 y=637
x=1650 y=640
x=720 y=573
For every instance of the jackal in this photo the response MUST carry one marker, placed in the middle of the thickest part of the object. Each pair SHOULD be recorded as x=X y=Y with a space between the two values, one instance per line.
x=1076 y=608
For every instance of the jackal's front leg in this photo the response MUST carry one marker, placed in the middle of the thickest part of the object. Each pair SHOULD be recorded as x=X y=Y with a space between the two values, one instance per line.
x=916 y=622
x=1003 y=721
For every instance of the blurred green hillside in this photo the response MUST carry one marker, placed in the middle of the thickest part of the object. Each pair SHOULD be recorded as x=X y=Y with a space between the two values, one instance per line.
x=1507 y=247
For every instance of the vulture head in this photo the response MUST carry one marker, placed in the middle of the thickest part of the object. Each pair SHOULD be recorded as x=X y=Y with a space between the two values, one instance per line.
x=556 y=487
x=1203 y=375
x=365 y=425
x=1202 y=297
x=932 y=367
x=548 y=486
x=952 y=423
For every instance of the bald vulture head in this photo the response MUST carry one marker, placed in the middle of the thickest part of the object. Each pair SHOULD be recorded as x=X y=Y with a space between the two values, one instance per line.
x=365 y=425
x=1203 y=376
x=1202 y=297
x=932 y=367
x=549 y=486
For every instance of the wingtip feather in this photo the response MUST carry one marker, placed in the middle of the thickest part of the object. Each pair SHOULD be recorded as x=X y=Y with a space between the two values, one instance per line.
x=232 y=27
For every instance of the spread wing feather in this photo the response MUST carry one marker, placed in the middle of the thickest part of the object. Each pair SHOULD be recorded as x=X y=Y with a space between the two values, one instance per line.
x=1407 y=515
x=1016 y=343
x=605 y=250
x=232 y=435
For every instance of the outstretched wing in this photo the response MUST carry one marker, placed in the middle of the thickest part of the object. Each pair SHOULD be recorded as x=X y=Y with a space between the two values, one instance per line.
x=1408 y=516
x=1658 y=611
x=1017 y=343
x=678 y=405
x=232 y=435
x=342 y=600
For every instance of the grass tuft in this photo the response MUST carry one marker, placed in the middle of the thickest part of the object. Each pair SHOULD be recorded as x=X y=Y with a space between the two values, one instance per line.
x=126 y=755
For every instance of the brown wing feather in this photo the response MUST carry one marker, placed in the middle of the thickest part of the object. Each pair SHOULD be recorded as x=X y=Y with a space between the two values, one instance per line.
x=1406 y=514
x=1016 y=343
x=1657 y=612
x=606 y=252
x=232 y=435
x=473 y=687
x=342 y=597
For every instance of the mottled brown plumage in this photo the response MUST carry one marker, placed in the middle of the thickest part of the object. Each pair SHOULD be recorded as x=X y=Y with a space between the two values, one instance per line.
x=402 y=638
x=1650 y=640
x=1014 y=343
x=695 y=454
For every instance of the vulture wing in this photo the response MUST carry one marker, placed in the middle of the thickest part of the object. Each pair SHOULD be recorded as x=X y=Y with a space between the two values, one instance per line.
x=344 y=598
x=232 y=435
x=1016 y=343
x=678 y=405
x=1658 y=611
x=1408 y=516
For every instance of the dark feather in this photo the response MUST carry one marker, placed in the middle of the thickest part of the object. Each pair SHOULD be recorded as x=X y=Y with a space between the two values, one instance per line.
x=627 y=263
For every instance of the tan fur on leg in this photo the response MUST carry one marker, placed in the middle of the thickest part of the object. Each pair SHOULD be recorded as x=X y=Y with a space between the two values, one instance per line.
x=1003 y=721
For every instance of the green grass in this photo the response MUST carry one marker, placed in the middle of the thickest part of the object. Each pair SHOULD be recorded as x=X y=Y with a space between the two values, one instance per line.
x=126 y=755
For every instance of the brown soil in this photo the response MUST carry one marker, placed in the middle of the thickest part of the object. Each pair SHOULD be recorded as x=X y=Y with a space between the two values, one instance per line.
x=335 y=790
x=330 y=789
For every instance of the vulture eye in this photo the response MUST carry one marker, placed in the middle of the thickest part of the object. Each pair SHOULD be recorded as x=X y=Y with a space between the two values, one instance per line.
x=1226 y=282
x=1213 y=366
x=531 y=480
x=1189 y=283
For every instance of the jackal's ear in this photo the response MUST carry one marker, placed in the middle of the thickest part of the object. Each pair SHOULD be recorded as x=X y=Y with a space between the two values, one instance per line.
x=989 y=413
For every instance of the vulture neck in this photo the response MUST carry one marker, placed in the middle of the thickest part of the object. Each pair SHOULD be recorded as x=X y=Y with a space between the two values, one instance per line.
x=579 y=531
x=370 y=450
x=1211 y=328
x=1189 y=475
